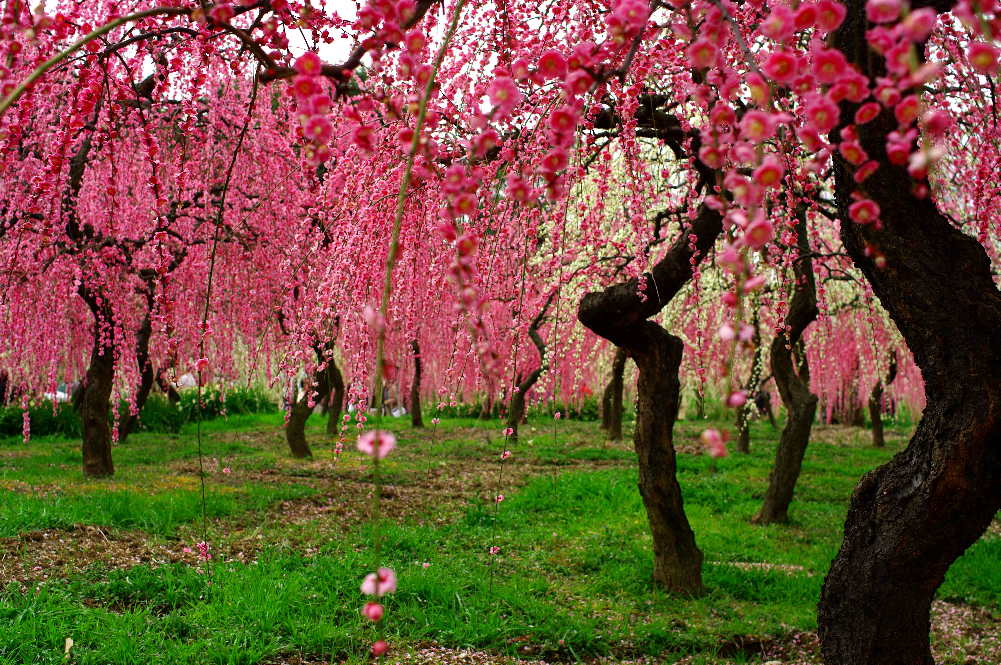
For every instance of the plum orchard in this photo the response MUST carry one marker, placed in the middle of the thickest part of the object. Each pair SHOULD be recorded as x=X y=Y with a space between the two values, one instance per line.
x=180 y=185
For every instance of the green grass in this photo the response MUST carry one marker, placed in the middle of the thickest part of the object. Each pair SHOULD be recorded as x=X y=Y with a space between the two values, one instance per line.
x=572 y=580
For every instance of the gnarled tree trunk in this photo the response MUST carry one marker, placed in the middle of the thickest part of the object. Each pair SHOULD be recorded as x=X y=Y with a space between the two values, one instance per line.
x=794 y=387
x=612 y=398
x=912 y=517
x=416 y=417
x=876 y=403
x=619 y=315
x=516 y=407
x=677 y=559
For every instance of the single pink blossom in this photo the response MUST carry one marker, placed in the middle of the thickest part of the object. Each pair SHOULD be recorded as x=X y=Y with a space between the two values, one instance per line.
x=376 y=443
x=380 y=583
x=372 y=611
x=865 y=211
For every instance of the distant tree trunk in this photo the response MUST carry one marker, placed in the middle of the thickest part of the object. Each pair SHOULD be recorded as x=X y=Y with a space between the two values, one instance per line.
x=743 y=444
x=911 y=518
x=416 y=418
x=130 y=423
x=876 y=403
x=620 y=315
x=335 y=402
x=295 y=428
x=700 y=405
x=170 y=391
x=606 y=401
x=93 y=401
x=516 y=408
x=801 y=404
x=614 y=390
x=487 y=408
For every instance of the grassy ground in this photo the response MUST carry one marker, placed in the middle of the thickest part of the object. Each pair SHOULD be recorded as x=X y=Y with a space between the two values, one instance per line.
x=114 y=566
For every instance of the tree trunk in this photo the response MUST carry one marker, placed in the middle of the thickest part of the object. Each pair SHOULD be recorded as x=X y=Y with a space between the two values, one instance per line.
x=94 y=396
x=416 y=418
x=516 y=407
x=620 y=315
x=876 y=414
x=295 y=428
x=743 y=444
x=606 y=401
x=677 y=559
x=801 y=404
x=130 y=423
x=876 y=403
x=912 y=517
x=335 y=402
x=487 y=408
x=616 y=386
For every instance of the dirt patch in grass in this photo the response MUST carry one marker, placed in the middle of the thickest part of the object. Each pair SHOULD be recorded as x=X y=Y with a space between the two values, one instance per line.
x=342 y=502
x=55 y=553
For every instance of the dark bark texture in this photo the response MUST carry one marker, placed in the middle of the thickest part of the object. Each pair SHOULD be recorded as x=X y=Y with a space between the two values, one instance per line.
x=94 y=398
x=794 y=386
x=619 y=315
x=416 y=417
x=677 y=559
x=912 y=517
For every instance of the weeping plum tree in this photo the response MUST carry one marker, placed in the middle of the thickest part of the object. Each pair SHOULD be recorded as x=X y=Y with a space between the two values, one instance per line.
x=912 y=517
x=621 y=316
x=761 y=99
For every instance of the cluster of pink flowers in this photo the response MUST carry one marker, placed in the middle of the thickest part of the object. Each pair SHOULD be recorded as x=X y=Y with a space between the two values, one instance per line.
x=461 y=274
x=377 y=584
x=313 y=106
x=385 y=20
